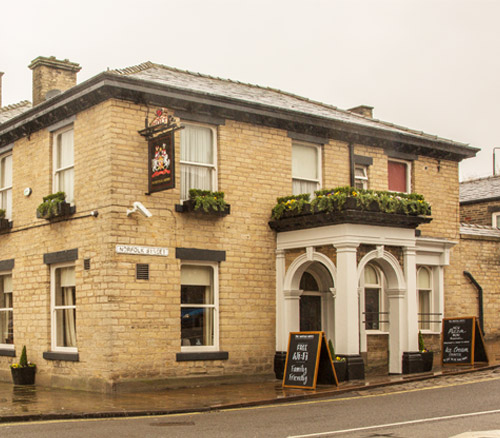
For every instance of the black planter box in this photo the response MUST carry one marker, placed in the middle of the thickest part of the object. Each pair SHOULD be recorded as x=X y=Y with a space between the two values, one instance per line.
x=63 y=209
x=427 y=361
x=23 y=375
x=412 y=362
x=5 y=224
x=340 y=370
x=279 y=364
x=188 y=207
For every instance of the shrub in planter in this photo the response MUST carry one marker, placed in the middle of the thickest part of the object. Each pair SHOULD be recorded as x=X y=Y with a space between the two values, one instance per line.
x=206 y=201
x=427 y=356
x=53 y=205
x=339 y=363
x=23 y=373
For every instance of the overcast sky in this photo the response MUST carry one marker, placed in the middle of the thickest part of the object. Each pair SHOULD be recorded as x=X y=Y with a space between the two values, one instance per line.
x=431 y=65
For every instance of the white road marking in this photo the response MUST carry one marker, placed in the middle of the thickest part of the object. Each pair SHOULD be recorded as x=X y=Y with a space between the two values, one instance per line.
x=402 y=423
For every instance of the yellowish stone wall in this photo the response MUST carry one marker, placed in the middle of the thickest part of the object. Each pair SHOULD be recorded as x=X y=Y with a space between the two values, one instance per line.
x=129 y=330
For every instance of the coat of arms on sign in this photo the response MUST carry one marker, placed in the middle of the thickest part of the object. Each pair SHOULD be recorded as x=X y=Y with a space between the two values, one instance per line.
x=160 y=164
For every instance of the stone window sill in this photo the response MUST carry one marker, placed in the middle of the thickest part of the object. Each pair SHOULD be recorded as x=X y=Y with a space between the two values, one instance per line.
x=58 y=355
x=7 y=352
x=202 y=355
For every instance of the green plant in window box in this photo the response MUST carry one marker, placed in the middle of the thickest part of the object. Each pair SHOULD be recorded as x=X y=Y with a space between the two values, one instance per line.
x=341 y=198
x=207 y=201
x=4 y=222
x=53 y=205
x=23 y=372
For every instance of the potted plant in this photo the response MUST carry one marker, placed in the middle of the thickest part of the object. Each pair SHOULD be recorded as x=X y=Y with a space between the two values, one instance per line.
x=339 y=363
x=427 y=356
x=23 y=373
x=54 y=205
x=205 y=202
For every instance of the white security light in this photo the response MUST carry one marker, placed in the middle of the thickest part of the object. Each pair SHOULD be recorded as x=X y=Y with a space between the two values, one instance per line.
x=137 y=206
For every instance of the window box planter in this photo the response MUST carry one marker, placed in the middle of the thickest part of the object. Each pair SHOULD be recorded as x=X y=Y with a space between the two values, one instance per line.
x=348 y=205
x=54 y=206
x=205 y=202
x=23 y=375
x=5 y=224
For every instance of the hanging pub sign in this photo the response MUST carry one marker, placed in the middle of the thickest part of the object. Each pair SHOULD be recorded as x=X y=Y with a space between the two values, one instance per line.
x=161 y=162
x=161 y=150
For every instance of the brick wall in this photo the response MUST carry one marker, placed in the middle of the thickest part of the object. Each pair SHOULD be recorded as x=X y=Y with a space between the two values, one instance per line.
x=479 y=213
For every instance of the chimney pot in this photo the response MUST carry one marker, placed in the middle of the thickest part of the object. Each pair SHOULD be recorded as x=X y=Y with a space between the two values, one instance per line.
x=52 y=74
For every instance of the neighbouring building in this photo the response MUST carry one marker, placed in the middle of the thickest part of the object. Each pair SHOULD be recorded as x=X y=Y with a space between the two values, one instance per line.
x=124 y=284
x=480 y=253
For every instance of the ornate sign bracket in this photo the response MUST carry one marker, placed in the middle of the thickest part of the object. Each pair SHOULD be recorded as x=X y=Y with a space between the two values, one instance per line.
x=162 y=124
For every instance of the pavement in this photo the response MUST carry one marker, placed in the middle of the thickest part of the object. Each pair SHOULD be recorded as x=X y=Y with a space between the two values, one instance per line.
x=36 y=403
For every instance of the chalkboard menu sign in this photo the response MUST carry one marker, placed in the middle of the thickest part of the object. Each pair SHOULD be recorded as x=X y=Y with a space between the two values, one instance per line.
x=308 y=361
x=462 y=342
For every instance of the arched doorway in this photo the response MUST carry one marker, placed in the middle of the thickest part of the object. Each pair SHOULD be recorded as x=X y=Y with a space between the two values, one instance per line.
x=310 y=307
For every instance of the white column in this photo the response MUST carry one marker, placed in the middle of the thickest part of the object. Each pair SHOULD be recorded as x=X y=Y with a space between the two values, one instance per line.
x=397 y=335
x=292 y=312
x=346 y=301
x=281 y=337
x=410 y=264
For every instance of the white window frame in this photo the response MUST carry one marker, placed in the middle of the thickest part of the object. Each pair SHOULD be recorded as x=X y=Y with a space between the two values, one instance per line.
x=215 y=306
x=57 y=171
x=408 y=172
x=361 y=179
x=319 y=166
x=494 y=219
x=212 y=167
x=383 y=304
x=431 y=301
x=7 y=309
x=53 y=308
x=7 y=188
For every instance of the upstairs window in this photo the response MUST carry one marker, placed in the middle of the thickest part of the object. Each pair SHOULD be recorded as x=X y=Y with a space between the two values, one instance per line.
x=306 y=165
x=6 y=185
x=399 y=176
x=64 y=163
x=198 y=159
x=495 y=220
x=361 y=177
x=6 y=311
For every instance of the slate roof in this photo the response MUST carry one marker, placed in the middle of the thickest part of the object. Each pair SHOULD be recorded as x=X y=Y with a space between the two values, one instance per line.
x=481 y=189
x=217 y=87
x=479 y=230
x=10 y=111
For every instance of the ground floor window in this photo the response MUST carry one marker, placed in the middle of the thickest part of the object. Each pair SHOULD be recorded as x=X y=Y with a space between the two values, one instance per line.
x=6 y=310
x=374 y=298
x=63 y=306
x=310 y=304
x=199 y=305
x=424 y=281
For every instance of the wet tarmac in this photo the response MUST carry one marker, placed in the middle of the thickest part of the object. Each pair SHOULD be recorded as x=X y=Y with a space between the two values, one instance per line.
x=31 y=403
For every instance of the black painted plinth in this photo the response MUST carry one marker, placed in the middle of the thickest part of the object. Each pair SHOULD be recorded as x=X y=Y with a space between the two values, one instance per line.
x=412 y=362
x=279 y=364
x=355 y=367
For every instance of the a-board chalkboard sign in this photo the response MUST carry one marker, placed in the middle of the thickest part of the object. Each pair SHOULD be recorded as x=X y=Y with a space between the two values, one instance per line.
x=308 y=361
x=462 y=342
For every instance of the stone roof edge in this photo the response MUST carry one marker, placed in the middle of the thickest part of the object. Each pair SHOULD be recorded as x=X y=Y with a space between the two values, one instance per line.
x=148 y=64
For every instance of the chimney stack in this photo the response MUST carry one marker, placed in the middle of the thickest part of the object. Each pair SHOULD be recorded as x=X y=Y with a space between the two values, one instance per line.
x=51 y=77
x=363 y=110
x=1 y=74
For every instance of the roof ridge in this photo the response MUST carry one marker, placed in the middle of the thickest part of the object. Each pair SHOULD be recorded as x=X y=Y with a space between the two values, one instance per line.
x=14 y=105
